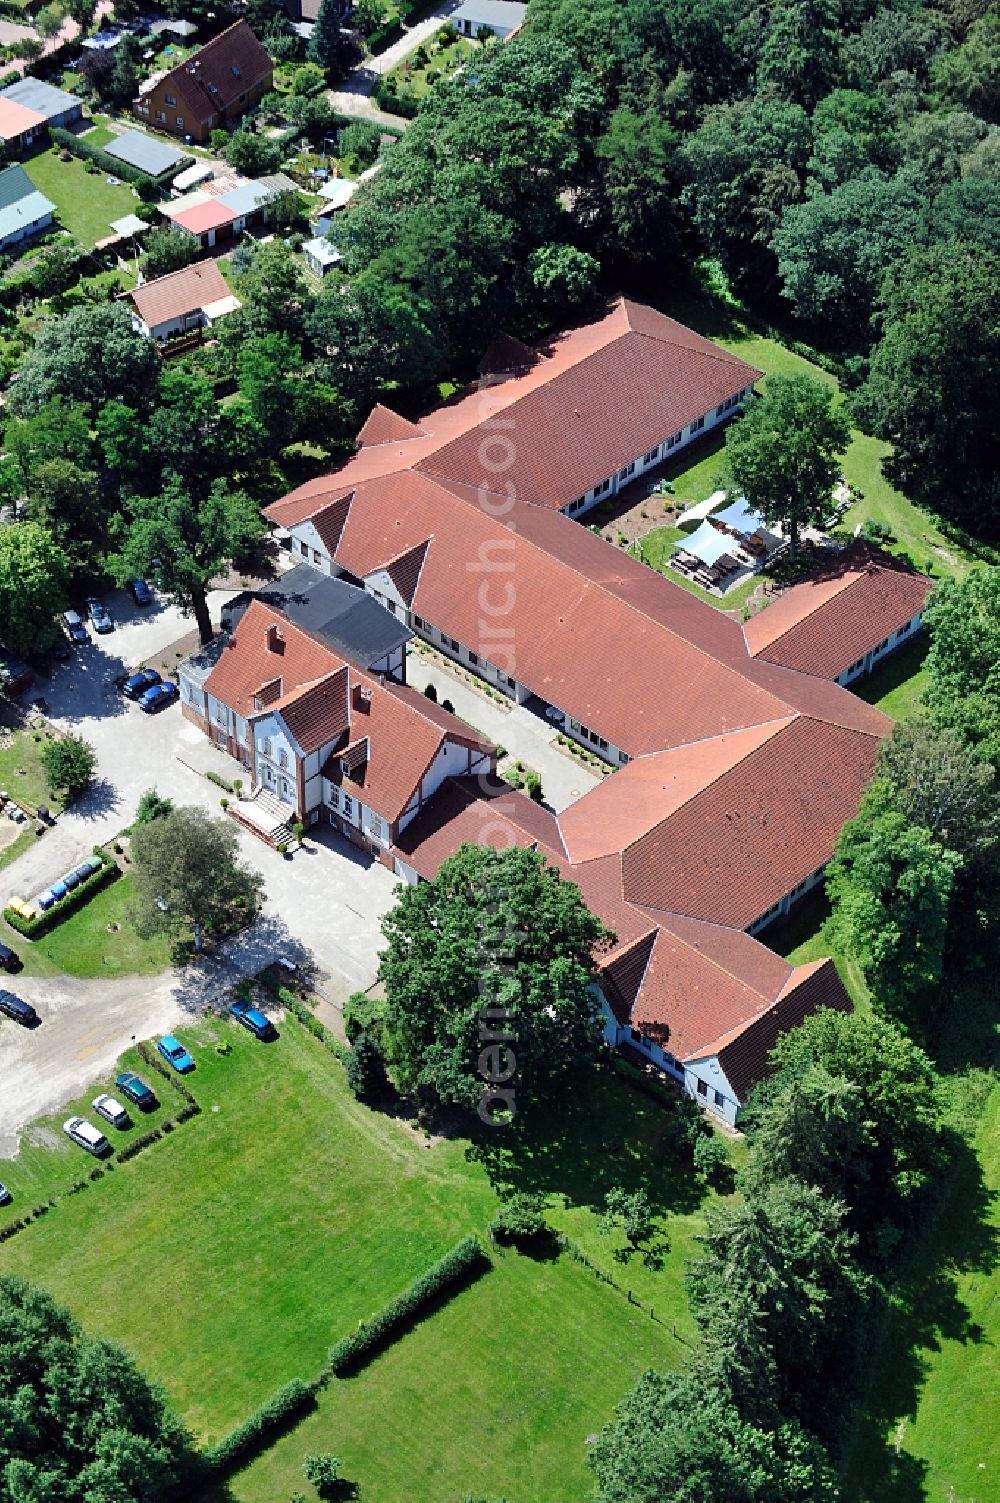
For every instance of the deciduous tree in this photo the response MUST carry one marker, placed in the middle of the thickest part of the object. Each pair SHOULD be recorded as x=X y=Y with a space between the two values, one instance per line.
x=90 y=356
x=34 y=573
x=963 y=664
x=190 y=538
x=189 y=878
x=487 y=977
x=69 y=763
x=81 y=1423
x=784 y=453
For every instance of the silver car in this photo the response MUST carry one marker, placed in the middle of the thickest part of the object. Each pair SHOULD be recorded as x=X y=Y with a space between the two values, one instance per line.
x=111 y=1110
x=85 y=1135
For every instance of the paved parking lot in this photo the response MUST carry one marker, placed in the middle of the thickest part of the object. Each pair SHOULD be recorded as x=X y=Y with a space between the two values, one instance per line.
x=323 y=909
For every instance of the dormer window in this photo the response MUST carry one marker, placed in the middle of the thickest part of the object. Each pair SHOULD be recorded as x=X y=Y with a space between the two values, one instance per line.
x=234 y=70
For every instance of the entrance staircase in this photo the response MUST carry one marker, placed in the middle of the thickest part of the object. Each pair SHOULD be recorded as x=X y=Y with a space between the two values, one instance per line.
x=265 y=815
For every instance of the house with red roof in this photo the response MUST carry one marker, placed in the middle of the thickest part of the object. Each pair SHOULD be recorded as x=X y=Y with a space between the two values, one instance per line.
x=322 y=739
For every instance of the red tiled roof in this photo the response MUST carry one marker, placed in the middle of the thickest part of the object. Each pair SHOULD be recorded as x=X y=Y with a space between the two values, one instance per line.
x=210 y=81
x=477 y=812
x=179 y=293
x=316 y=713
x=405 y=571
x=247 y=661
x=732 y=851
x=828 y=622
x=319 y=701
x=745 y=1056
x=385 y=427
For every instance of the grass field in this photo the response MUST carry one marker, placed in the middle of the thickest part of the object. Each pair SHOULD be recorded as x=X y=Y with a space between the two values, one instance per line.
x=897 y=685
x=228 y=1257
x=97 y=940
x=86 y=203
x=21 y=772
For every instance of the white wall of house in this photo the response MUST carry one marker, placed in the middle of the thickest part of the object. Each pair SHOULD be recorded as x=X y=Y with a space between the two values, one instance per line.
x=404 y=870
x=307 y=544
x=345 y=802
x=312 y=778
x=192 y=691
x=276 y=756
x=704 y=1079
x=220 y=715
x=888 y=644
x=26 y=230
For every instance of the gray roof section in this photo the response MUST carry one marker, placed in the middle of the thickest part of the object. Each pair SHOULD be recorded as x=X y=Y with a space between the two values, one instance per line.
x=149 y=156
x=507 y=13
x=341 y=615
x=21 y=204
x=42 y=97
x=245 y=197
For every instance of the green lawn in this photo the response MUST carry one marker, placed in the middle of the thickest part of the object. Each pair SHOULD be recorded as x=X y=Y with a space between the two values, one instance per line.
x=496 y=1393
x=897 y=685
x=21 y=772
x=229 y=1257
x=97 y=940
x=930 y=1425
x=99 y=135
x=86 y=203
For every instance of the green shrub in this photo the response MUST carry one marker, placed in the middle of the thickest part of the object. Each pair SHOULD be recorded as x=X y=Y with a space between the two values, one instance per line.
x=321 y=1471
x=101 y=876
x=366 y=1069
x=465 y=1260
x=521 y=1219
x=430 y=693
x=711 y=1158
x=219 y=781
x=260 y=1426
x=301 y=1013
x=533 y=786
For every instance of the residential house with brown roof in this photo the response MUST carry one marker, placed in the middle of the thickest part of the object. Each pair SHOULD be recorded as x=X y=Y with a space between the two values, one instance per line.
x=193 y=298
x=322 y=739
x=212 y=88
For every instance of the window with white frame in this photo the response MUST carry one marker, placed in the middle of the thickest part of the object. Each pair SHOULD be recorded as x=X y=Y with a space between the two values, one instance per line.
x=265 y=747
x=697 y=425
x=653 y=454
x=348 y=805
x=282 y=757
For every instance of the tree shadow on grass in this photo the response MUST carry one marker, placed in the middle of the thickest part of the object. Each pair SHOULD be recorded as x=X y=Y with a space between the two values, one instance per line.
x=595 y=1133
x=924 y=1310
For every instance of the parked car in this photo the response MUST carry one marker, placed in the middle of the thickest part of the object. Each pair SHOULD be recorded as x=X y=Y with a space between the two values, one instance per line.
x=111 y=1110
x=5 y=1196
x=10 y=960
x=174 y=1053
x=140 y=591
x=100 y=616
x=158 y=697
x=74 y=627
x=253 y=1019
x=21 y=1012
x=135 y=1088
x=137 y=683
x=61 y=651
x=86 y=1135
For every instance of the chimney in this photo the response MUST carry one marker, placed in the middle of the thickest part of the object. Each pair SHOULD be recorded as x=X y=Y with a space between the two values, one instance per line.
x=275 y=641
x=361 y=699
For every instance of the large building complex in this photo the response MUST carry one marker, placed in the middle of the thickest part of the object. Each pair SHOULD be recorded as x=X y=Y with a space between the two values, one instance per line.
x=738 y=756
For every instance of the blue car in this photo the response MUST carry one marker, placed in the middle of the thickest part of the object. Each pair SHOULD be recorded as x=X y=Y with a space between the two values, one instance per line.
x=252 y=1018
x=135 y=1088
x=158 y=697
x=141 y=593
x=137 y=683
x=175 y=1054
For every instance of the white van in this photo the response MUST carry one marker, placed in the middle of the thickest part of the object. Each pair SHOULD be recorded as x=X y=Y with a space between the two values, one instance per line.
x=85 y=1134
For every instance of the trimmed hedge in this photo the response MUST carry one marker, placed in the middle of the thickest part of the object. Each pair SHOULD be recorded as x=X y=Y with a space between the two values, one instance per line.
x=113 y=165
x=464 y=1261
x=298 y=1009
x=33 y=928
x=260 y=1426
x=219 y=780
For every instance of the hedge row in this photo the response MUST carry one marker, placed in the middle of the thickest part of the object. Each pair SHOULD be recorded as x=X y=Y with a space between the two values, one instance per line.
x=107 y=163
x=13 y=1227
x=34 y=928
x=152 y=1059
x=466 y=1259
x=298 y=1009
x=259 y=1426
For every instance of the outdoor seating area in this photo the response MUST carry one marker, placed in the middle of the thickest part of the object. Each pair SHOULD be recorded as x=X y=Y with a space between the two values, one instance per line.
x=726 y=546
